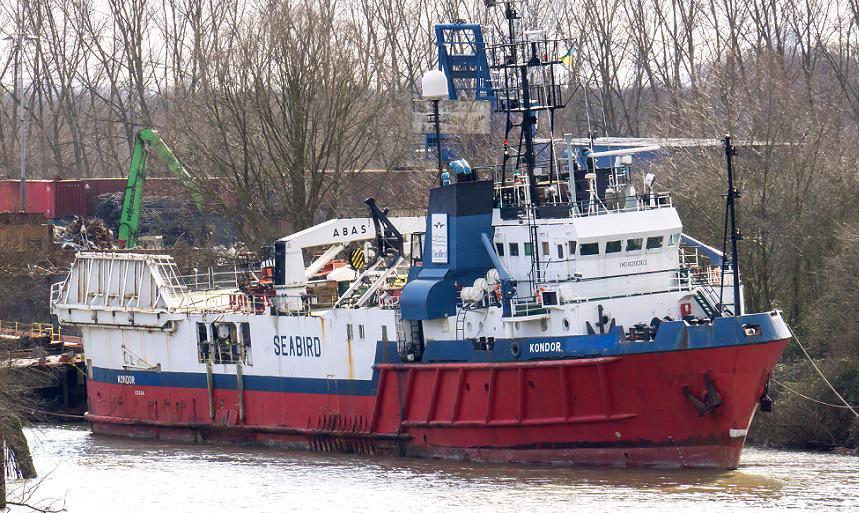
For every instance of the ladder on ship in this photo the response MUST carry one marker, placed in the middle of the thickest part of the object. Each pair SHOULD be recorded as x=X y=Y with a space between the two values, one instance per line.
x=460 y=323
x=704 y=303
x=536 y=274
x=408 y=332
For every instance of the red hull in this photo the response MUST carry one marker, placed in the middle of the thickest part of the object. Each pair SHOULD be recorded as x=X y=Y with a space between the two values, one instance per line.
x=621 y=410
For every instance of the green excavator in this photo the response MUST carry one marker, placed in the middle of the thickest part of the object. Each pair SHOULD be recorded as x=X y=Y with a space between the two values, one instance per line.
x=129 y=220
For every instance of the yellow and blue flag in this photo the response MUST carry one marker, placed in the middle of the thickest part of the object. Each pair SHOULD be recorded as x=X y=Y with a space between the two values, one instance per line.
x=568 y=58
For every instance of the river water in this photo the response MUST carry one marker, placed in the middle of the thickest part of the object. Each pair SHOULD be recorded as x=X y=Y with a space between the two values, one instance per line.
x=88 y=473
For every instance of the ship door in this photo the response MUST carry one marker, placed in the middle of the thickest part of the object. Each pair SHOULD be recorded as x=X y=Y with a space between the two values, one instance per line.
x=570 y=260
x=410 y=340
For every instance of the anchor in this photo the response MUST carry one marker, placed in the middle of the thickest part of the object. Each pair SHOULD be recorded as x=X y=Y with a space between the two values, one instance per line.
x=711 y=401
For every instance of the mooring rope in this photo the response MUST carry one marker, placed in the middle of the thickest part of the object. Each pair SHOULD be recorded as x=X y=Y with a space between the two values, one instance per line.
x=819 y=372
x=800 y=394
x=51 y=414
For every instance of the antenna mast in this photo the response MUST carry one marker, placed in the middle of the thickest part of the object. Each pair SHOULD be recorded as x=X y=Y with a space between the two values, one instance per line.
x=731 y=220
x=525 y=84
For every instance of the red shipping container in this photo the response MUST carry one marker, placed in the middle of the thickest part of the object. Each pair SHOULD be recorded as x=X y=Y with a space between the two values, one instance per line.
x=69 y=198
x=40 y=197
x=8 y=196
x=53 y=198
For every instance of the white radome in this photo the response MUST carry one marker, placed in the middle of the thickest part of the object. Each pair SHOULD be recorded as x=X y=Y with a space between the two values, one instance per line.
x=434 y=85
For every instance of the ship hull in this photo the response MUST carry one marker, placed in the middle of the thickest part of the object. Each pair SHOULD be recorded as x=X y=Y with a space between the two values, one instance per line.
x=639 y=409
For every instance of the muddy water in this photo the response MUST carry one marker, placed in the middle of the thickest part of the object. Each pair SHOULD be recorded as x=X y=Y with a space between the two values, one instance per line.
x=95 y=473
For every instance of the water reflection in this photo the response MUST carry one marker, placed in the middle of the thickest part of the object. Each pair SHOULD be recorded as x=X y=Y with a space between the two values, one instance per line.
x=97 y=473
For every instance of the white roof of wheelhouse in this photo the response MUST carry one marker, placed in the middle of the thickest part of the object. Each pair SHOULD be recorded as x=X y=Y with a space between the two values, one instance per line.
x=612 y=226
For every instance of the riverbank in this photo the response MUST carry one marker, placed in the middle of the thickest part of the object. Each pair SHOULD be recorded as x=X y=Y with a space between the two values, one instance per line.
x=806 y=414
x=91 y=474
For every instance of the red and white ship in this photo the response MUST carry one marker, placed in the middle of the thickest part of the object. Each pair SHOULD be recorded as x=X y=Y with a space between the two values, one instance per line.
x=540 y=312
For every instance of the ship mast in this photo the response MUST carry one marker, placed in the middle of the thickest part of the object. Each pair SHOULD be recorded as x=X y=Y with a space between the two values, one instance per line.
x=731 y=223
x=525 y=80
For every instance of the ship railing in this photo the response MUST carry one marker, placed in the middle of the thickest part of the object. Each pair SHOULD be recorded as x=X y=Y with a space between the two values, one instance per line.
x=213 y=278
x=556 y=202
x=578 y=290
x=527 y=306
x=32 y=329
x=690 y=257
x=166 y=267
x=57 y=290
x=234 y=301
x=718 y=286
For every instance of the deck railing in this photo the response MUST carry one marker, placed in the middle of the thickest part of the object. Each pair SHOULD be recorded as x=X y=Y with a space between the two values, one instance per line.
x=33 y=329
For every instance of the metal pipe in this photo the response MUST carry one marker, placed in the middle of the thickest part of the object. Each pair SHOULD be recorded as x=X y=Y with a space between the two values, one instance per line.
x=437 y=138
x=19 y=68
x=735 y=234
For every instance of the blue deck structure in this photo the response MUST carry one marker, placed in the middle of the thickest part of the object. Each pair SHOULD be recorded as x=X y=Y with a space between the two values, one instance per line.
x=462 y=58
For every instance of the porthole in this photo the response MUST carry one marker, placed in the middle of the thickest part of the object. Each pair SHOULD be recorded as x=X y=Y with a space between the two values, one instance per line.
x=566 y=324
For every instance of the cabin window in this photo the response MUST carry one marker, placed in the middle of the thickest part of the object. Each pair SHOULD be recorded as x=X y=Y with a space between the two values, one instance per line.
x=384 y=333
x=499 y=248
x=571 y=245
x=545 y=248
x=654 y=242
x=612 y=246
x=514 y=249
x=673 y=239
x=590 y=248
x=361 y=331
x=349 y=332
x=529 y=248
x=560 y=251
x=633 y=244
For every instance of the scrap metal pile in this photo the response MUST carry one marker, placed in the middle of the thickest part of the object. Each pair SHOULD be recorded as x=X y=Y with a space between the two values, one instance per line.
x=172 y=218
x=83 y=234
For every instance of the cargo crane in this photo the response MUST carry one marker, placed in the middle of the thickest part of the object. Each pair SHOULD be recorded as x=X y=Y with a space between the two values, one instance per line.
x=147 y=140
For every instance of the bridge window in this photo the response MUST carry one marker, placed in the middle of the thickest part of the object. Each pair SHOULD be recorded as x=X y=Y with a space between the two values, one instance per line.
x=654 y=242
x=514 y=249
x=529 y=248
x=633 y=244
x=560 y=251
x=499 y=248
x=612 y=246
x=545 y=248
x=673 y=239
x=571 y=245
x=590 y=248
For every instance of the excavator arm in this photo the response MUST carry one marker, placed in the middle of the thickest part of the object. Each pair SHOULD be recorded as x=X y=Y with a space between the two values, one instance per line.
x=129 y=220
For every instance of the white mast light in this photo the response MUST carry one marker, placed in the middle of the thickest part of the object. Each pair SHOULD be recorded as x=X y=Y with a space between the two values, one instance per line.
x=434 y=85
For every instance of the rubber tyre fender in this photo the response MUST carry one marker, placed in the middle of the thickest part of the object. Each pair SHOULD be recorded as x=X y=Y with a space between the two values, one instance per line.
x=515 y=350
